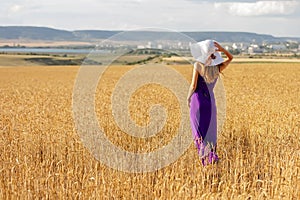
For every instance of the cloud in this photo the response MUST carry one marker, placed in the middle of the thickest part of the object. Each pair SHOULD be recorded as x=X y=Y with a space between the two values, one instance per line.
x=181 y=15
x=15 y=8
x=212 y=1
x=259 y=8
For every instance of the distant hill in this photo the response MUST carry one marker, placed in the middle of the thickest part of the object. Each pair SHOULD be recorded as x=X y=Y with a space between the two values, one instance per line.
x=44 y=33
x=35 y=33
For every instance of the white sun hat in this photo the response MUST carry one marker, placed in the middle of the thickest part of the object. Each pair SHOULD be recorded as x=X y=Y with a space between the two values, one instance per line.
x=201 y=51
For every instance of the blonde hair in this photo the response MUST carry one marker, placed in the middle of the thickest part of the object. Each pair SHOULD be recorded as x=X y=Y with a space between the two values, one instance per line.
x=209 y=73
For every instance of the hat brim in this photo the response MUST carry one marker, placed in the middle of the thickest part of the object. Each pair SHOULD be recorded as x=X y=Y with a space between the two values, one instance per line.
x=218 y=59
x=201 y=51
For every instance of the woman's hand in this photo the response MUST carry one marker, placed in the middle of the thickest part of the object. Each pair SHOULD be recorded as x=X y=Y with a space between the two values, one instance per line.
x=189 y=102
x=220 y=48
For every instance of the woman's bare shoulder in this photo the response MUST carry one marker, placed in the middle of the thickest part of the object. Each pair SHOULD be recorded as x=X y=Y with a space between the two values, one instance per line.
x=197 y=66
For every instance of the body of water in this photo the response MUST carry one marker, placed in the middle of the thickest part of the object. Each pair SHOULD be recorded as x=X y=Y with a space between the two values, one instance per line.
x=50 y=50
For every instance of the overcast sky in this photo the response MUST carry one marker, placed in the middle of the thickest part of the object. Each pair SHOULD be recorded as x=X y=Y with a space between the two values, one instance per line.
x=278 y=18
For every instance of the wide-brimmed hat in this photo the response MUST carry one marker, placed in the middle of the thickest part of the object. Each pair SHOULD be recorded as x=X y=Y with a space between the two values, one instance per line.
x=201 y=51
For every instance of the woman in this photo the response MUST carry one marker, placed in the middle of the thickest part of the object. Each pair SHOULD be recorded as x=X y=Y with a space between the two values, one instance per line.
x=201 y=100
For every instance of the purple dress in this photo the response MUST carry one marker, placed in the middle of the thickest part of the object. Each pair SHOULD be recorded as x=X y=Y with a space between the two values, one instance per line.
x=203 y=118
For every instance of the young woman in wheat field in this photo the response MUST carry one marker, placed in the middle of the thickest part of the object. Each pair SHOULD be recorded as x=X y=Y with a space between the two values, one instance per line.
x=201 y=100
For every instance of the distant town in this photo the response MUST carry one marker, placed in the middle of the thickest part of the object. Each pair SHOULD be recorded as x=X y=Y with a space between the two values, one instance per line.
x=240 y=48
x=291 y=48
x=47 y=40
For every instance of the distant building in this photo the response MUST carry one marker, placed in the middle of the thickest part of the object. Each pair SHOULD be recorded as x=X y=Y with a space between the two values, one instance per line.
x=255 y=46
x=149 y=45
x=140 y=46
x=253 y=50
x=277 y=47
x=239 y=46
x=234 y=46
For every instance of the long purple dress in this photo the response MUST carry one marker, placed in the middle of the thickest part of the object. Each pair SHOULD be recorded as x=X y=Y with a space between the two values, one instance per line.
x=203 y=118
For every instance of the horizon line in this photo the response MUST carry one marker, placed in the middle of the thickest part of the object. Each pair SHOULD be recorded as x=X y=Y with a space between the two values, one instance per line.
x=142 y=29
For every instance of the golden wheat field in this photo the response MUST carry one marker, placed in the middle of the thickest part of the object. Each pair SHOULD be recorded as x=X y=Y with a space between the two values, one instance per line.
x=42 y=156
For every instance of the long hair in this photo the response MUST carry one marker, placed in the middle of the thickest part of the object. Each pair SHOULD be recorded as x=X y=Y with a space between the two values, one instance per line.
x=209 y=73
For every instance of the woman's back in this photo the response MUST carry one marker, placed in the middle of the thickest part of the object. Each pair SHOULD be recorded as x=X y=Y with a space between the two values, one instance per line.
x=209 y=73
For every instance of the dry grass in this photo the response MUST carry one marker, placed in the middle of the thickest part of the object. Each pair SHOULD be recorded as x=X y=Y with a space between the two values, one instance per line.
x=42 y=156
x=16 y=60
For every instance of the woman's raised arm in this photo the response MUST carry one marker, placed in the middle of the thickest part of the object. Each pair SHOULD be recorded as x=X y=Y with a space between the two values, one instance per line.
x=229 y=56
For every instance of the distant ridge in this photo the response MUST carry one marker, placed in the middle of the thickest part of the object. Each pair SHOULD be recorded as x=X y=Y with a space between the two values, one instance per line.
x=34 y=33
x=45 y=33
